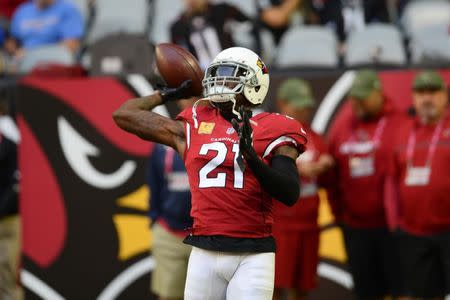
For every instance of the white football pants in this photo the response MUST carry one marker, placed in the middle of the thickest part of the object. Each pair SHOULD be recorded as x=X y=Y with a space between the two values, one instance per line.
x=215 y=275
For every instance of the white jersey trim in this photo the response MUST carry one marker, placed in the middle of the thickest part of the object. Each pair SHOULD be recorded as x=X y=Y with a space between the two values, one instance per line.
x=278 y=141
x=188 y=135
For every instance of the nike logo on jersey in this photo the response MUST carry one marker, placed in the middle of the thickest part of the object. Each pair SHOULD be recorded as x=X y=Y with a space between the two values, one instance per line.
x=231 y=130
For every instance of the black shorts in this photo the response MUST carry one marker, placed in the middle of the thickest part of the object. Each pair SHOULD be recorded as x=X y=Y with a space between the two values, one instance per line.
x=373 y=262
x=426 y=262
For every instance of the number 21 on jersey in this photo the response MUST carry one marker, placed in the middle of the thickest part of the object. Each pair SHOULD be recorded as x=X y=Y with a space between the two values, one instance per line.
x=221 y=154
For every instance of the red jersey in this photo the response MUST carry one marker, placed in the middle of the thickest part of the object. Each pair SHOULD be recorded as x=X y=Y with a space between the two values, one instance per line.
x=421 y=167
x=361 y=150
x=225 y=200
x=303 y=215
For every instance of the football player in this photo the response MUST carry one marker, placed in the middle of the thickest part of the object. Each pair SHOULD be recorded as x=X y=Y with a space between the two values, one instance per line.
x=236 y=164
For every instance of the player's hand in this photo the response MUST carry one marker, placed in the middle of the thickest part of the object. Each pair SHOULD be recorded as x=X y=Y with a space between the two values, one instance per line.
x=308 y=169
x=245 y=133
x=312 y=169
x=326 y=161
x=181 y=92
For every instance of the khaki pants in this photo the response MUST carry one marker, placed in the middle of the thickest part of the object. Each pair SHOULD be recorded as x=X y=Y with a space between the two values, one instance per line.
x=171 y=257
x=9 y=258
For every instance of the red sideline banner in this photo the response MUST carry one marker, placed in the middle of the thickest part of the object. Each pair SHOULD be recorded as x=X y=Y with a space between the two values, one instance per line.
x=83 y=196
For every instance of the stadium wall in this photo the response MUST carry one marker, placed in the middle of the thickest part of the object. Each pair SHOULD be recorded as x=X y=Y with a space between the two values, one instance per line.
x=83 y=198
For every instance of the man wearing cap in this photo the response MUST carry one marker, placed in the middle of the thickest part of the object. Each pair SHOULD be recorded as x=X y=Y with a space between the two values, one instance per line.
x=295 y=228
x=361 y=147
x=421 y=170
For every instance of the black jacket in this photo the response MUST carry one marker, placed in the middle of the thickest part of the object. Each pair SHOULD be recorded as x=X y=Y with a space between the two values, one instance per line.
x=8 y=177
x=216 y=16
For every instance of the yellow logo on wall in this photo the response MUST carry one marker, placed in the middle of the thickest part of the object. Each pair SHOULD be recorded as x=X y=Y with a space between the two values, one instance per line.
x=331 y=239
x=133 y=230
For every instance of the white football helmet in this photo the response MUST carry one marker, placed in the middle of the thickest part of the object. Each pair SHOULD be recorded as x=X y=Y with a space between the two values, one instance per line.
x=234 y=71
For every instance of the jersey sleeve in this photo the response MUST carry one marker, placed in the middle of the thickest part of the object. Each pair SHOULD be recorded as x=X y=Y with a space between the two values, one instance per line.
x=284 y=131
x=185 y=115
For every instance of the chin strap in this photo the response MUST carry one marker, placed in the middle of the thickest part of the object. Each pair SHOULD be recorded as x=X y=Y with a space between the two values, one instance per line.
x=234 y=111
x=194 y=111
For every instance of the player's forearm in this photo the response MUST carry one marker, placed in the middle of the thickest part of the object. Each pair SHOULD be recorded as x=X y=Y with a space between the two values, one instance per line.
x=135 y=116
x=130 y=115
x=146 y=103
x=281 y=180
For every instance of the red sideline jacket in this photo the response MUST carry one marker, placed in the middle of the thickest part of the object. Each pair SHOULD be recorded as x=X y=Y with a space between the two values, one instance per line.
x=357 y=198
x=422 y=209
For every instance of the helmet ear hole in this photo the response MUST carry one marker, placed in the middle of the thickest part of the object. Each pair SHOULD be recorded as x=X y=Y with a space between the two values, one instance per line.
x=257 y=88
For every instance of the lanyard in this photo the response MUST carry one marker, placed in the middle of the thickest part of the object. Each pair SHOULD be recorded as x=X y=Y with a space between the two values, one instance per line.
x=376 y=139
x=433 y=145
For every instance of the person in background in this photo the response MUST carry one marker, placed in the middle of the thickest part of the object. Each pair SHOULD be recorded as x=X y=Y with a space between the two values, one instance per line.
x=204 y=28
x=276 y=15
x=44 y=22
x=170 y=205
x=347 y=16
x=295 y=228
x=421 y=173
x=9 y=218
x=361 y=146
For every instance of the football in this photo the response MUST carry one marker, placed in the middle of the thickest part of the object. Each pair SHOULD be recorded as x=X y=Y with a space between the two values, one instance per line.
x=175 y=65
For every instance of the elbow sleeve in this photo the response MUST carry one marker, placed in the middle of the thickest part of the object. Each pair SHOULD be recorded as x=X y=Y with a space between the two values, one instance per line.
x=280 y=180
